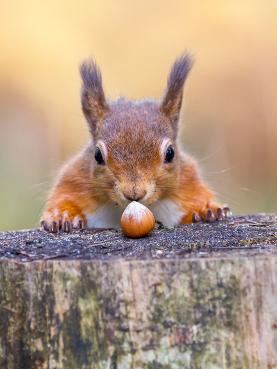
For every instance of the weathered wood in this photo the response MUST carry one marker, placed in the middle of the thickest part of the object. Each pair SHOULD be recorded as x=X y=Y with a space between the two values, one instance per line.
x=196 y=297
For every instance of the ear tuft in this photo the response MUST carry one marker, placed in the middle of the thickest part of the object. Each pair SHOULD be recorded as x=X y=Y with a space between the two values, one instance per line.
x=93 y=99
x=172 y=101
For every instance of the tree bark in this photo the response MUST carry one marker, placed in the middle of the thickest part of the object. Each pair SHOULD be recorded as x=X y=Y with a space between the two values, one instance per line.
x=201 y=296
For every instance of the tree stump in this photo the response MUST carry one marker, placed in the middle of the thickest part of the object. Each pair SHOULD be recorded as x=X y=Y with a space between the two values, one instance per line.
x=200 y=296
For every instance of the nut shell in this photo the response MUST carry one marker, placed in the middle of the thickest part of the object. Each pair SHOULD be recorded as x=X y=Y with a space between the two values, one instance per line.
x=137 y=220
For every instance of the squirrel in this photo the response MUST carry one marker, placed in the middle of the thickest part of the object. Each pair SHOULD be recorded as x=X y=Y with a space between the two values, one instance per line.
x=132 y=155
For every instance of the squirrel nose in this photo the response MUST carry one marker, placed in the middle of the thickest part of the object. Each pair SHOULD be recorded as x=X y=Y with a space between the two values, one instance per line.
x=134 y=196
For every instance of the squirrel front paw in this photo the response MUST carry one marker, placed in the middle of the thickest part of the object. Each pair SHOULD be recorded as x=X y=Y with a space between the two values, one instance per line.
x=62 y=219
x=211 y=213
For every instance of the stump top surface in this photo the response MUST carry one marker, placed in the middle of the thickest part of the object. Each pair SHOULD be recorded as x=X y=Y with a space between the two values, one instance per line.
x=238 y=236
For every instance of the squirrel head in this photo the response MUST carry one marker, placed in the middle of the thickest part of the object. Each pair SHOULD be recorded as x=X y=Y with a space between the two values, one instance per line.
x=134 y=142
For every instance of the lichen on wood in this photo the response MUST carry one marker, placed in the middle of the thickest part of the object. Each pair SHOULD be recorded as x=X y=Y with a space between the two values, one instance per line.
x=196 y=297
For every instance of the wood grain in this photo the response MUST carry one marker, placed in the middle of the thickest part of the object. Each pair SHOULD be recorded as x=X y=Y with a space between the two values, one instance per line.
x=199 y=296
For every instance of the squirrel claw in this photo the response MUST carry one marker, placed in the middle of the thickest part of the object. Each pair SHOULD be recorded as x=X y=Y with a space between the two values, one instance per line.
x=81 y=224
x=55 y=222
x=78 y=223
x=55 y=227
x=67 y=227
x=217 y=213
x=226 y=212
x=43 y=225
x=210 y=217
x=196 y=218
x=211 y=213
x=52 y=227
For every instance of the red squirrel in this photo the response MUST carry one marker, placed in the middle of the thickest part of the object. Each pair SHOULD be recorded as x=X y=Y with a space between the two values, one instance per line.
x=132 y=155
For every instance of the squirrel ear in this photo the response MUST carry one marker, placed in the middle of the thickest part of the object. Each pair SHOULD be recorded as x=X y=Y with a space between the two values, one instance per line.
x=93 y=99
x=172 y=100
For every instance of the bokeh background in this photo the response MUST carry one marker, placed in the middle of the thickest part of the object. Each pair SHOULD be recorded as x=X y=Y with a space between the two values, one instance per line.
x=230 y=107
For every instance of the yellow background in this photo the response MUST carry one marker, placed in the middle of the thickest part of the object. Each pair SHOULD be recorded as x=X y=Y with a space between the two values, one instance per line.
x=230 y=107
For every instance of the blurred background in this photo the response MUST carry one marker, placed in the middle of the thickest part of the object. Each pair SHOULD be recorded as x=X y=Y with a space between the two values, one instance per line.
x=230 y=107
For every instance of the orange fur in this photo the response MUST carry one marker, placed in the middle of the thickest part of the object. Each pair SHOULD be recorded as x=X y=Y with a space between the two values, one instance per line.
x=70 y=198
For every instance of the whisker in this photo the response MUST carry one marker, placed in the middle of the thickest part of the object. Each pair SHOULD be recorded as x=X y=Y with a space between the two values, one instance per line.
x=222 y=171
x=211 y=155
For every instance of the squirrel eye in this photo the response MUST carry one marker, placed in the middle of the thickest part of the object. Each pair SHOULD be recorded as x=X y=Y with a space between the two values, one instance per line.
x=169 y=155
x=99 y=157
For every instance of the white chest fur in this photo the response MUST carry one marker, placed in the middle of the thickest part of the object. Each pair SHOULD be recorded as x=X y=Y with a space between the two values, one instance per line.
x=166 y=211
x=108 y=216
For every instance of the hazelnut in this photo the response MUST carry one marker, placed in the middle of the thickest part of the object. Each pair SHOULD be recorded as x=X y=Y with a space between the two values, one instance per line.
x=137 y=220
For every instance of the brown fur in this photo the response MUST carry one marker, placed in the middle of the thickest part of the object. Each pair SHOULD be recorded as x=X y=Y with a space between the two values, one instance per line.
x=129 y=135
